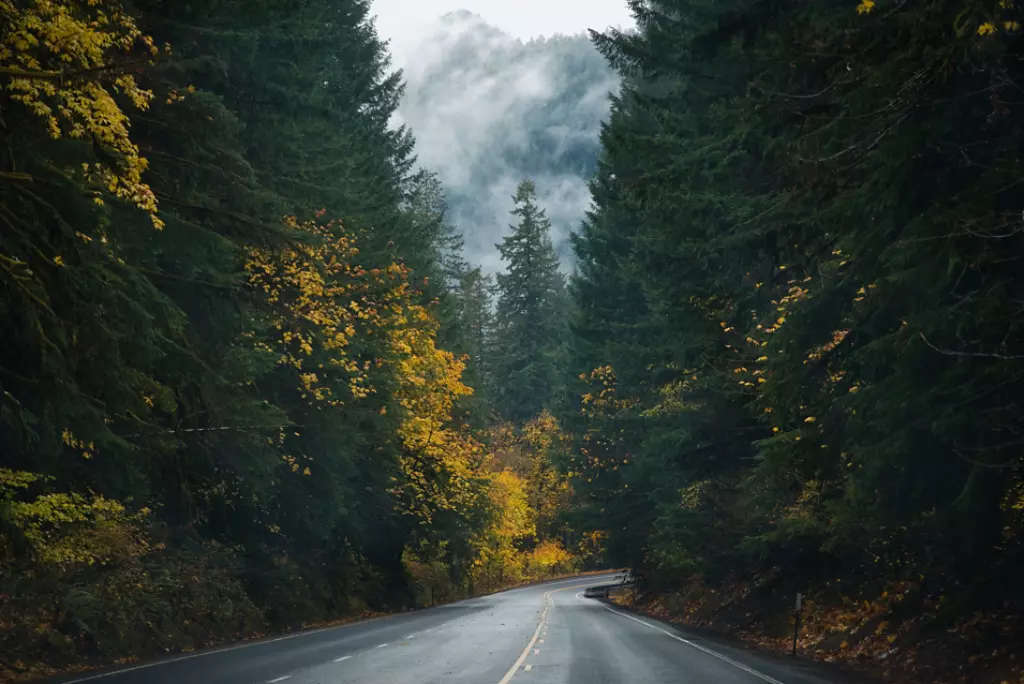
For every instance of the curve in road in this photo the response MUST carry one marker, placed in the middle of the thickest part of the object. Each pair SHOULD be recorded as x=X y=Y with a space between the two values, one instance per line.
x=541 y=634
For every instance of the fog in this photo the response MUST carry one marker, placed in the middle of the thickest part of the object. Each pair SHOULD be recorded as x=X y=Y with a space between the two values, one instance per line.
x=404 y=22
x=489 y=109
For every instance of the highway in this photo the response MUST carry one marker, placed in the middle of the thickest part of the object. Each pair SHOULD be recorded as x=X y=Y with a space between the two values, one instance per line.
x=541 y=634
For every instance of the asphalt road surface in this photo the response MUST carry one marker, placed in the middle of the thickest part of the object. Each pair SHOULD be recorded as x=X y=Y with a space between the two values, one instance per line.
x=542 y=634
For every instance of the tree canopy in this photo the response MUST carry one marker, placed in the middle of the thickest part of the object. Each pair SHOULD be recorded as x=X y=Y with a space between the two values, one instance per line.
x=237 y=325
x=796 y=330
x=251 y=380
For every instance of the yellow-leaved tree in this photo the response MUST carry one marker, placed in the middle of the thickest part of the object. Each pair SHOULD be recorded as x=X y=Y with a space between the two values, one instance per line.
x=320 y=301
x=324 y=308
x=545 y=443
x=441 y=460
x=66 y=62
x=499 y=559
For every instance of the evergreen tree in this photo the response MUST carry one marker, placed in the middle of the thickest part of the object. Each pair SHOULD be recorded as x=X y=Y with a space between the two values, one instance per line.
x=792 y=313
x=529 y=320
x=237 y=389
x=476 y=336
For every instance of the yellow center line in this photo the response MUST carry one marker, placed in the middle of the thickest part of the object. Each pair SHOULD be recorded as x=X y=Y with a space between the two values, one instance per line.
x=526 y=651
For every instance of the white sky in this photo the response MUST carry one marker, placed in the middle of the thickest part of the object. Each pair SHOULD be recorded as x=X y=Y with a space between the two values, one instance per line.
x=402 y=21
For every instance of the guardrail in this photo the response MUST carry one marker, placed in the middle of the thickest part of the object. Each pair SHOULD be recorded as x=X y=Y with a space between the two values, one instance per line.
x=602 y=590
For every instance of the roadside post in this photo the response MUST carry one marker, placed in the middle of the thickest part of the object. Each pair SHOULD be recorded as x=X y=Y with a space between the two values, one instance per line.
x=796 y=620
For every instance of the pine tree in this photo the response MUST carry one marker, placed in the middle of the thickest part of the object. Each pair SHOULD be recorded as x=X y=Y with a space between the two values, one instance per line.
x=142 y=362
x=794 y=206
x=529 y=321
x=475 y=337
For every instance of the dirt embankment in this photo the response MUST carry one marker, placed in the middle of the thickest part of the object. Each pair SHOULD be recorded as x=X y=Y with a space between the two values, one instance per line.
x=904 y=633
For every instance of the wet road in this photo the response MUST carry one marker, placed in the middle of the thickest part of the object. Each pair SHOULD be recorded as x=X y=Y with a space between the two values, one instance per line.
x=543 y=634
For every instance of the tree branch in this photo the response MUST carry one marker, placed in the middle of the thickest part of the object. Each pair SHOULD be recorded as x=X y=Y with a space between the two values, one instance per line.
x=982 y=464
x=987 y=355
x=48 y=75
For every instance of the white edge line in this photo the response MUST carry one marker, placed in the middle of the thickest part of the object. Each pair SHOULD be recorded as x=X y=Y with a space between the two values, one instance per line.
x=411 y=636
x=338 y=660
x=279 y=679
x=236 y=647
x=749 y=670
x=224 y=649
x=381 y=645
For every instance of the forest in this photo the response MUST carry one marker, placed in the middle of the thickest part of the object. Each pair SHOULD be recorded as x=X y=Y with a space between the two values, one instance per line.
x=250 y=382
x=241 y=367
x=798 y=329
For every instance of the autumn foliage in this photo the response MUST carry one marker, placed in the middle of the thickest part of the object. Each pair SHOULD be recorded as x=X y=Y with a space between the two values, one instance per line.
x=258 y=415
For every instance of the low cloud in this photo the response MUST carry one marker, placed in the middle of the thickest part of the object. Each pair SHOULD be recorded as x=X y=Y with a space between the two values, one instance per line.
x=488 y=110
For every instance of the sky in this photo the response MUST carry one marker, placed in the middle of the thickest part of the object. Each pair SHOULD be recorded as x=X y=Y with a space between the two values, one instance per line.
x=402 y=21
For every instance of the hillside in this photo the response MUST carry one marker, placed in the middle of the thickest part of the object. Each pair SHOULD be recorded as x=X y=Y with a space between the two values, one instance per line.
x=489 y=110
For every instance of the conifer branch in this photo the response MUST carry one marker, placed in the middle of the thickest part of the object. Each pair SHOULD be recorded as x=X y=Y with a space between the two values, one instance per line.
x=954 y=352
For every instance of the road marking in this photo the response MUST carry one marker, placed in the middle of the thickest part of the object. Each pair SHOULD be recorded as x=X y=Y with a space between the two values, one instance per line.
x=214 y=651
x=338 y=660
x=279 y=679
x=236 y=647
x=526 y=651
x=734 y=663
x=382 y=646
x=527 y=668
x=411 y=636
x=548 y=603
x=541 y=641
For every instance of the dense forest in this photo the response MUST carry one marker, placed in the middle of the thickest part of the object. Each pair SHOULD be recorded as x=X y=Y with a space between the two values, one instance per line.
x=238 y=332
x=797 y=329
x=252 y=379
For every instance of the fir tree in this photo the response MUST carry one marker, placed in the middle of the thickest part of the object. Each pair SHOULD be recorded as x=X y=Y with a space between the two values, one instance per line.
x=793 y=316
x=529 y=319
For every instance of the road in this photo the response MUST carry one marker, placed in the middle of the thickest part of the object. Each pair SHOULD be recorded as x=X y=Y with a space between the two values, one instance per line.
x=542 y=634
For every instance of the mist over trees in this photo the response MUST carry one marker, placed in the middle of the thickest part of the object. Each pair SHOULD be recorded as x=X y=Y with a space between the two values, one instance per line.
x=269 y=360
x=490 y=110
